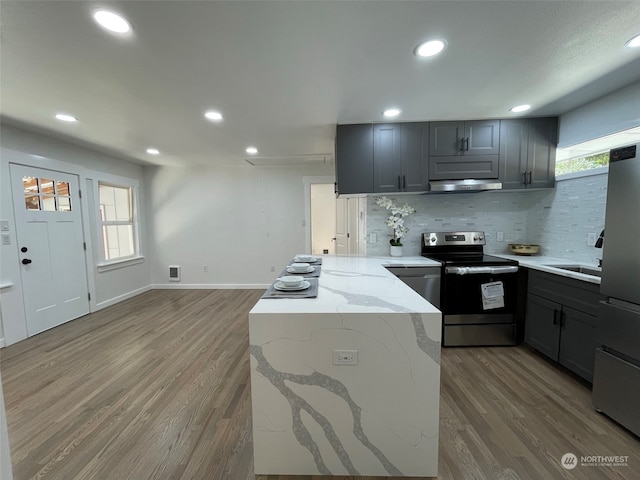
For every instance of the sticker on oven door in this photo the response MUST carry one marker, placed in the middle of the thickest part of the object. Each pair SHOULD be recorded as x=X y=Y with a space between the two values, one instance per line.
x=492 y=295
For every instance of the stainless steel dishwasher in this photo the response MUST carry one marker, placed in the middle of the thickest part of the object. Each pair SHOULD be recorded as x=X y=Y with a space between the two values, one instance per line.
x=424 y=280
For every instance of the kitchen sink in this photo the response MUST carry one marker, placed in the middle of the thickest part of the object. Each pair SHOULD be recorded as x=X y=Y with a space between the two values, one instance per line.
x=579 y=269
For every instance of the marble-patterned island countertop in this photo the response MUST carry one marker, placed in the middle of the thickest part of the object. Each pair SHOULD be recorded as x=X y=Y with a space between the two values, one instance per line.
x=377 y=418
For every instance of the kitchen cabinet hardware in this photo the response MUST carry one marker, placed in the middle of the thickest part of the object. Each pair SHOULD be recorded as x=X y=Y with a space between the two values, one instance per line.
x=26 y=261
x=555 y=316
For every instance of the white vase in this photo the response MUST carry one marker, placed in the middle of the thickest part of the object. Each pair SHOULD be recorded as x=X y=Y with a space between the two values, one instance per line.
x=396 y=251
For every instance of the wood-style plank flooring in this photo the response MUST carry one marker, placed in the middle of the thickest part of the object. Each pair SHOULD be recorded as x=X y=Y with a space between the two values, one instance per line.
x=157 y=387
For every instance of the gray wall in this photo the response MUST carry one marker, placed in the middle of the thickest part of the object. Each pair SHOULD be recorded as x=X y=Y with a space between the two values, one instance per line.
x=612 y=113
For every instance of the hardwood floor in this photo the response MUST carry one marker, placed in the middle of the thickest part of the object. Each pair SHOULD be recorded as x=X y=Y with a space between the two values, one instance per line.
x=157 y=387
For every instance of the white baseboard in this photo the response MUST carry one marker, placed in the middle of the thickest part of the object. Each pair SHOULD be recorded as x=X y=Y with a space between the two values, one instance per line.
x=210 y=286
x=2 y=343
x=124 y=296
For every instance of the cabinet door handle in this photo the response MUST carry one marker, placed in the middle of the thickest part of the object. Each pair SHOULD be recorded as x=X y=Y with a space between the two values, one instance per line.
x=530 y=177
x=399 y=185
x=462 y=144
x=524 y=177
x=466 y=144
x=555 y=316
x=404 y=182
x=563 y=316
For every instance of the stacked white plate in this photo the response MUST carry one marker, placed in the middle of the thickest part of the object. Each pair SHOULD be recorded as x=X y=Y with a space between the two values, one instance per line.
x=305 y=258
x=291 y=283
x=300 y=268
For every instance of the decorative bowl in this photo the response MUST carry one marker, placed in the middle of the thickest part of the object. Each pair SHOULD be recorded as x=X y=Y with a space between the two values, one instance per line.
x=524 y=249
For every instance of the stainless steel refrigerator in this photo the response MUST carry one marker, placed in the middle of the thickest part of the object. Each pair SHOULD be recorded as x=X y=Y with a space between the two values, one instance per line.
x=616 y=382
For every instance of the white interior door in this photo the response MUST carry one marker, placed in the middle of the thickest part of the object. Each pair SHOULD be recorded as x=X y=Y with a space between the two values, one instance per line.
x=323 y=218
x=342 y=226
x=51 y=245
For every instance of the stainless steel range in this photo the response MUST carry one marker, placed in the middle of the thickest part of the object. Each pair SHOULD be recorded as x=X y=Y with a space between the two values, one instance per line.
x=478 y=292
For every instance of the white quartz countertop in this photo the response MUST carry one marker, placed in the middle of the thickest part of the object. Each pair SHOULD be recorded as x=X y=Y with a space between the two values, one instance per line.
x=354 y=284
x=549 y=265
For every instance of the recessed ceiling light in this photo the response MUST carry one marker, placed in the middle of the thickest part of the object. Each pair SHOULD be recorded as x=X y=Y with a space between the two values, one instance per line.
x=251 y=150
x=153 y=151
x=634 y=42
x=430 y=48
x=520 y=108
x=391 y=112
x=112 y=21
x=213 y=115
x=66 y=118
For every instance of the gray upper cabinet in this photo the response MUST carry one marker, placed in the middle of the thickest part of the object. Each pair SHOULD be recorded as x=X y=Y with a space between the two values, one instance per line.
x=400 y=157
x=478 y=137
x=528 y=152
x=459 y=150
x=354 y=159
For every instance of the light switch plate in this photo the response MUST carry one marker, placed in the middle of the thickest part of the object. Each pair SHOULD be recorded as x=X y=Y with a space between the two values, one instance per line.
x=6 y=239
x=4 y=225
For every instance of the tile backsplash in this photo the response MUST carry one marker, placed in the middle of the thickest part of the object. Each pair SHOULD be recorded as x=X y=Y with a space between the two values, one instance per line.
x=562 y=220
x=559 y=219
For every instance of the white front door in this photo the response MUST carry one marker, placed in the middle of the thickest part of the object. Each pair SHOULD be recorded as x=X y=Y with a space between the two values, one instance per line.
x=51 y=246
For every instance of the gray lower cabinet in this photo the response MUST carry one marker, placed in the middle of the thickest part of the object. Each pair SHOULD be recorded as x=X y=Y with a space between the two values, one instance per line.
x=400 y=157
x=561 y=320
x=528 y=152
x=460 y=150
x=354 y=159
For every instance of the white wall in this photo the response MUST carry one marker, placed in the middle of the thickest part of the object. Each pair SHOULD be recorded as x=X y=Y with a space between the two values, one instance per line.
x=237 y=220
x=25 y=147
x=612 y=113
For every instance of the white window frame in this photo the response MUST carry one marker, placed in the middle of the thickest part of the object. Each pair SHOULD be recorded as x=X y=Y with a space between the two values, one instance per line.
x=134 y=186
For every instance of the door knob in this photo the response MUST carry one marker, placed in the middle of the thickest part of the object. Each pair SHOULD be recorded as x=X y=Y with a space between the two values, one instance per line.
x=24 y=249
x=26 y=261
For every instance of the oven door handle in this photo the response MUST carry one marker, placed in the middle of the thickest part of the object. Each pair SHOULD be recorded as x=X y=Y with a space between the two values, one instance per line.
x=476 y=270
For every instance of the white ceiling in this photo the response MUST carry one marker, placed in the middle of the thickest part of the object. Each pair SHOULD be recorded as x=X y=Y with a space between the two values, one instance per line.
x=284 y=73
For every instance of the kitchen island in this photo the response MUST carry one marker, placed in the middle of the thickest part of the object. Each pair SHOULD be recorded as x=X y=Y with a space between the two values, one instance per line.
x=379 y=417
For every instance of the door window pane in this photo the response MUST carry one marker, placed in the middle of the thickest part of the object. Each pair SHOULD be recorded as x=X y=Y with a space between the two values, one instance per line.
x=32 y=202
x=63 y=188
x=30 y=184
x=64 y=204
x=49 y=203
x=46 y=186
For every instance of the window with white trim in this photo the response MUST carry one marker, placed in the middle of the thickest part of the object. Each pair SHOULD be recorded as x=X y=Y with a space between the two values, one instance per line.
x=118 y=221
x=582 y=163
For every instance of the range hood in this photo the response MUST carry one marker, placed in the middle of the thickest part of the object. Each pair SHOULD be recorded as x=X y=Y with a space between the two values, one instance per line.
x=464 y=185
